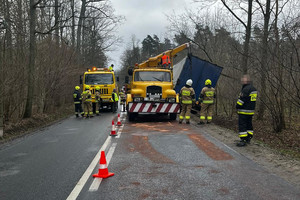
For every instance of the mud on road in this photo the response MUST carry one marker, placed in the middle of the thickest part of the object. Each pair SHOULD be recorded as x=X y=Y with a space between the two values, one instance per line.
x=274 y=162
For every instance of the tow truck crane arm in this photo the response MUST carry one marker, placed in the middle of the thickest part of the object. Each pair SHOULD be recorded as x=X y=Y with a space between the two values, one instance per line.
x=155 y=61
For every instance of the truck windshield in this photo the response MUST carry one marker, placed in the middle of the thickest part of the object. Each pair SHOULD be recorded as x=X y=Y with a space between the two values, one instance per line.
x=99 y=79
x=152 y=76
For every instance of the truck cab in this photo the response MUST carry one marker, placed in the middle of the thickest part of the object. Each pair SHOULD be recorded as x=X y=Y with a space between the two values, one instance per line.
x=151 y=87
x=103 y=78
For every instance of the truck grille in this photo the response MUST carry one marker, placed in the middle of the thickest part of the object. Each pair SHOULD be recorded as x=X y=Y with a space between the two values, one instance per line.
x=154 y=92
x=102 y=91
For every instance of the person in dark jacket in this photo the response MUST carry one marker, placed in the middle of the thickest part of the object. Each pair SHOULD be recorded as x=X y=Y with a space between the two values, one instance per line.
x=77 y=102
x=245 y=109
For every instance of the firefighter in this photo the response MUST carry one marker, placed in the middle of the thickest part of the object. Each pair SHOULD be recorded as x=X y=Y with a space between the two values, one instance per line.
x=115 y=100
x=97 y=100
x=111 y=67
x=123 y=99
x=165 y=61
x=87 y=102
x=187 y=98
x=77 y=102
x=245 y=109
x=206 y=98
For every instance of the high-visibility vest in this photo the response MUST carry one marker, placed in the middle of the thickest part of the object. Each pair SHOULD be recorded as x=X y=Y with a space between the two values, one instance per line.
x=87 y=96
x=116 y=98
x=165 y=59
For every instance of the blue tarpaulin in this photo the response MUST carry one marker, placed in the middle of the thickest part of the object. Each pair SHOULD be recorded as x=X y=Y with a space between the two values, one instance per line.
x=198 y=70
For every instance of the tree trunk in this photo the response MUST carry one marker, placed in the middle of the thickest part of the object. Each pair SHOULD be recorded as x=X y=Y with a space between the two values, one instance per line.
x=247 y=39
x=278 y=66
x=56 y=23
x=8 y=57
x=80 y=22
x=31 y=65
x=264 y=61
x=73 y=23
x=1 y=90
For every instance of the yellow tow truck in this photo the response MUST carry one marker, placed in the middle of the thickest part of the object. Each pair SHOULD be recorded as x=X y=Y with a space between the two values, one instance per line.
x=151 y=87
x=105 y=79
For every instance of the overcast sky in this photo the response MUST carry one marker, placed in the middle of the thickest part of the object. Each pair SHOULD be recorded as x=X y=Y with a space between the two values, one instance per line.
x=144 y=17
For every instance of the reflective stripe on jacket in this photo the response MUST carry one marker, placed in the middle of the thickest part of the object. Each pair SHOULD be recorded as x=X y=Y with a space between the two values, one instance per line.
x=86 y=96
x=207 y=95
x=77 y=97
x=187 y=95
x=247 y=100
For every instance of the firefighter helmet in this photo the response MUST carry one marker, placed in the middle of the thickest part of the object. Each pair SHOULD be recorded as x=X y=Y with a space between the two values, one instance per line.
x=97 y=88
x=208 y=82
x=77 y=88
x=87 y=87
x=189 y=82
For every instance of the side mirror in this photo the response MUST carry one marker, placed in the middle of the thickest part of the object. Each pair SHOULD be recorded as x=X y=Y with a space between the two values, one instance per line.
x=80 y=80
x=118 y=79
x=130 y=71
x=126 y=79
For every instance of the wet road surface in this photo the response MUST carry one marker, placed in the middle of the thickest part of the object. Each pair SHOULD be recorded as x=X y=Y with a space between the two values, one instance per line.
x=152 y=158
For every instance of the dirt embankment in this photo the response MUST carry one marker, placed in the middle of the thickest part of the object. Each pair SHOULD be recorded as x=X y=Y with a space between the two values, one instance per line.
x=277 y=153
x=37 y=121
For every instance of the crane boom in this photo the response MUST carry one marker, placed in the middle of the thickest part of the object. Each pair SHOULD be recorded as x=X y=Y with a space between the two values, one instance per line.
x=155 y=61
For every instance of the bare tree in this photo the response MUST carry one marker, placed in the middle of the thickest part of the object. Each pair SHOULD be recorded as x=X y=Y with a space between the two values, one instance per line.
x=32 y=54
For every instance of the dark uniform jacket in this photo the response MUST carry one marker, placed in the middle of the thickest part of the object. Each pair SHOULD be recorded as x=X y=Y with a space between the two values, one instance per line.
x=247 y=99
x=77 y=97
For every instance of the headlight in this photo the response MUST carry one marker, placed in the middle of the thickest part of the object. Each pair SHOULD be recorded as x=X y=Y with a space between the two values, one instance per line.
x=172 y=100
x=137 y=99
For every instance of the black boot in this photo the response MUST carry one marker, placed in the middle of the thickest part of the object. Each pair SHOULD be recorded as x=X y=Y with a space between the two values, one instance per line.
x=77 y=115
x=188 y=122
x=200 y=123
x=241 y=143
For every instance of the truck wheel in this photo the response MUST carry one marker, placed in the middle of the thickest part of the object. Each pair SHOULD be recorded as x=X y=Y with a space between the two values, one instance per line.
x=173 y=116
x=131 y=116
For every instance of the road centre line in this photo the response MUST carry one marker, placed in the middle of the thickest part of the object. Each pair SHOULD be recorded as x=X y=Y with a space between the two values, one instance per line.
x=97 y=181
x=80 y=184
x=120 y=131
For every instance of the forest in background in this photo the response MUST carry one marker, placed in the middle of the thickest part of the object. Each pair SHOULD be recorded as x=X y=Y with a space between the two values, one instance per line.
x=44 y=47
x=46 y=44
x=261 y=38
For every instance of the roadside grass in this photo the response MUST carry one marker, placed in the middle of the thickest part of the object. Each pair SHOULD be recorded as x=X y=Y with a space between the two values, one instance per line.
x=286 y=143
x=13 y=130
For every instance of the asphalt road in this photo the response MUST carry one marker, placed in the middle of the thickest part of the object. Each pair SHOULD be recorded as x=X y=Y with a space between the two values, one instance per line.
x=153 y=158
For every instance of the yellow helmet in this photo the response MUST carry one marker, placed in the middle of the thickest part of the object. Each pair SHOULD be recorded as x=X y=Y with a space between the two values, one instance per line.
x=208 y=82
x=77 y=88
x=87 y=87
x=97 y=88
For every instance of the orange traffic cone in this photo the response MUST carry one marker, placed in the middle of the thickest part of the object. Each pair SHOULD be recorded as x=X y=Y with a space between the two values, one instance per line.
x=119 y=120
x=113 y=129
x=103 y=171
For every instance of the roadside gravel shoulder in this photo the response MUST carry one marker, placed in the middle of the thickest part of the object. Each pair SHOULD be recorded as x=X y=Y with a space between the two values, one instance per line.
x=273 y=161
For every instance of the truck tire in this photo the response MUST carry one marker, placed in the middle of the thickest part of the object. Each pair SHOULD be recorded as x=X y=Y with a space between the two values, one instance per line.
x=131 y=116
x=173 y=116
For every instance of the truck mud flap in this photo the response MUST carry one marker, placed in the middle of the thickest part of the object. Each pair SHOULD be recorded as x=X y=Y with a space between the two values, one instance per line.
x=154 y=107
